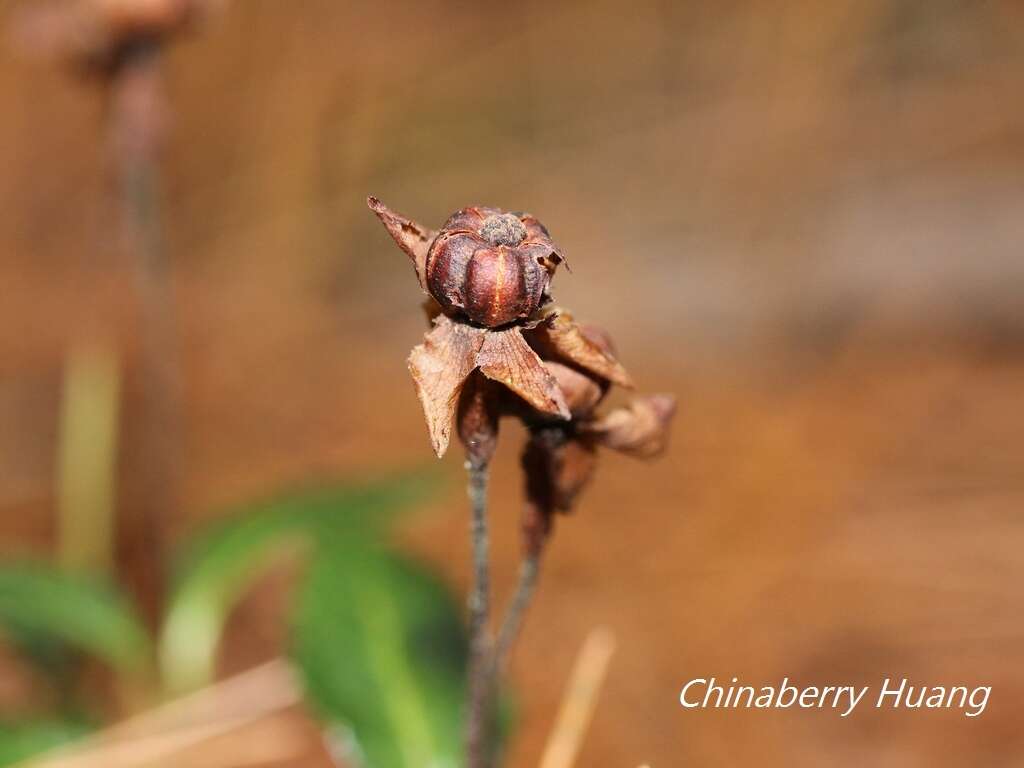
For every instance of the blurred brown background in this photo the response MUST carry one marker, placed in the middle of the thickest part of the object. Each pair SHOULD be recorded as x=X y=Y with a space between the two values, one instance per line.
x=802 y=218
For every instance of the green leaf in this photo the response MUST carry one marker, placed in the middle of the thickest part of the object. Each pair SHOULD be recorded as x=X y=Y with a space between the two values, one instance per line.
x=383 y=652
x=220 y=565
x=21 y=740
x=38 y=600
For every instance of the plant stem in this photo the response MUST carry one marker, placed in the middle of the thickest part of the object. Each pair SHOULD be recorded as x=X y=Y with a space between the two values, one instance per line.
x=137 y=124
x=479 y=695
x=529 y=571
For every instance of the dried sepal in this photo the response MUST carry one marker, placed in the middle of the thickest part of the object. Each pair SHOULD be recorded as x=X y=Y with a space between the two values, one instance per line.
x=559 y=337
x=506 y=358
x=439 y=367
x=641 y=429
x=582 y=393
x=411 y=236
x=556 y=468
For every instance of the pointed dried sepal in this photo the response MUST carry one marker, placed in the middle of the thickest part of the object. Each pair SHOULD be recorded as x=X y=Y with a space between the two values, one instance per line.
x=439 y=367
x=639 y=430
x=411 y=237
x=559 y=337
x=506 y=358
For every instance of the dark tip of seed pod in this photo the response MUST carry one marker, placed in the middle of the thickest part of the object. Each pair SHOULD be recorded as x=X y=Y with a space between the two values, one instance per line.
x=503 y=229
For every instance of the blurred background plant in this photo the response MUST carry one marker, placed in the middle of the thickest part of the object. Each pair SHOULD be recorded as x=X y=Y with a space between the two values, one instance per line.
x=377 y=637
x=801 y=217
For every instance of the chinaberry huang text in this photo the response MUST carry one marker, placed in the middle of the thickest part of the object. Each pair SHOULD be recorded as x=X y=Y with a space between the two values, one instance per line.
x=709 y=693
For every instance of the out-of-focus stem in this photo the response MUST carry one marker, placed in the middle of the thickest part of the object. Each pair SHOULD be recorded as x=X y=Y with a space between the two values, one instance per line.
x=579 y=700
x=137 y=123
x=87 y=460
x=529 y=570
x=526 y=586
x=478 y=704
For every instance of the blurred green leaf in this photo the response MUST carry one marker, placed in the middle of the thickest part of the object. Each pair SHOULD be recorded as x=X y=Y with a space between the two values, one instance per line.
x=383 y=652
x=220 y=565
x=52 y=657
x=21 y=740
x=38 y=600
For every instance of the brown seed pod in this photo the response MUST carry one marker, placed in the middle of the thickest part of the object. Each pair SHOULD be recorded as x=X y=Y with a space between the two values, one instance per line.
x=491 y=266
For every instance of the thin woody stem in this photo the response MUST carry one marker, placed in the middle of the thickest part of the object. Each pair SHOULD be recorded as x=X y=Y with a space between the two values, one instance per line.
x=529 y=570
x=479 y=695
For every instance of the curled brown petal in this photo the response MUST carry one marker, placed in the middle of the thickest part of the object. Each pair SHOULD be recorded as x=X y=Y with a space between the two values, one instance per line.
x=439 y=367
x=559 y=337
x=506 y=358
x=640 y=430
x=411 y=237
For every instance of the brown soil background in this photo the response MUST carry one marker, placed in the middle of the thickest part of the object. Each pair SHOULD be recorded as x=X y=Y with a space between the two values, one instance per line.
x=802 y=218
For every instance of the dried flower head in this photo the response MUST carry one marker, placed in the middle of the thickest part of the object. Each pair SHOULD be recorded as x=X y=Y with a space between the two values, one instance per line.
x=487 y=264
x=94 y=33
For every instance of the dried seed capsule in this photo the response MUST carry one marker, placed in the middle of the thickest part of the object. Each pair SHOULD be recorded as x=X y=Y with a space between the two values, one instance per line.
x=491 y=266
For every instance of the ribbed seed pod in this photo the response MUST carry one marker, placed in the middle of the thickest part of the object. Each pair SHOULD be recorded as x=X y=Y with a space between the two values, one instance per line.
x=491 y=266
